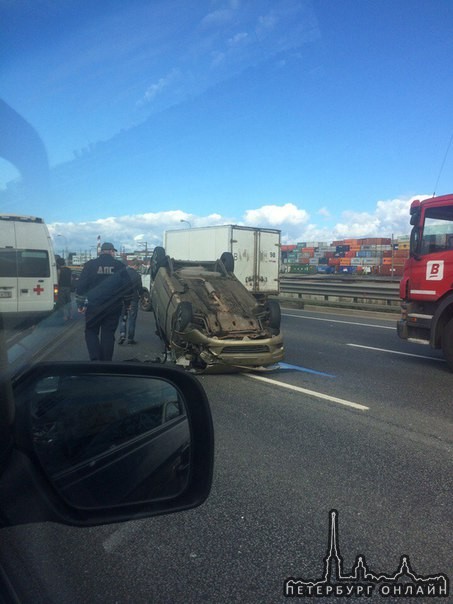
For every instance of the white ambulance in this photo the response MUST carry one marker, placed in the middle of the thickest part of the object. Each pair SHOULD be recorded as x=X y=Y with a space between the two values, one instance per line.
x=28 y=272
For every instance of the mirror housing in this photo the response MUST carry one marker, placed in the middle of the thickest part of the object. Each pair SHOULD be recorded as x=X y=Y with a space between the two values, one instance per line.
x=415 y=242
x=415 y=212
x=127 y=464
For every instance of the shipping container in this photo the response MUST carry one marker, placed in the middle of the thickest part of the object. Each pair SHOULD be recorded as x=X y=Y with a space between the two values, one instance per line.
x=324 y=268
x=304 y=269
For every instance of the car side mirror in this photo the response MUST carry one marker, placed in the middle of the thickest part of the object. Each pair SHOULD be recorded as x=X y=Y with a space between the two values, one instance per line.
x=104 y=442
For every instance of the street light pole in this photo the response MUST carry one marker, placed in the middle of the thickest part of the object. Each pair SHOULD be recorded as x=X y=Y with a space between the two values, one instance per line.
x=190 y=226
x=65 y=250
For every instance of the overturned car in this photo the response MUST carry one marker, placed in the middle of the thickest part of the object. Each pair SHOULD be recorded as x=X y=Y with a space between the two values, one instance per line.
x=207 y=318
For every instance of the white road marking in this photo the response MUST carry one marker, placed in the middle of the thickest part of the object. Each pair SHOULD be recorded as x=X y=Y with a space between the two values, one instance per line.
x=338 y=321
x=326 y=397
x=407 y=354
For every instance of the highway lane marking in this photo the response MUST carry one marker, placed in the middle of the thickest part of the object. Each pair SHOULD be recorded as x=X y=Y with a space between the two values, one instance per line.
x=338 y=321
x=407 y=354
x=320 y=395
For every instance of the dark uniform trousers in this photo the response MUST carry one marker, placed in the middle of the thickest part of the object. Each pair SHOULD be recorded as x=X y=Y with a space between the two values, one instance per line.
x=100 y=327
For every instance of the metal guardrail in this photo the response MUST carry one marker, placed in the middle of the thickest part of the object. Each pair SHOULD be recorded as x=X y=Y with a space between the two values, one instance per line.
x=344 y=292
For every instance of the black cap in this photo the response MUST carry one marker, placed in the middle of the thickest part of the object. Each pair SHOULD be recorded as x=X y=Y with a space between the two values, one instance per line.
x=107 y=246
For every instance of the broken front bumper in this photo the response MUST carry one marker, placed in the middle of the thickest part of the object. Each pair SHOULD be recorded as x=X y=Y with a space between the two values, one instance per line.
x=244 y=352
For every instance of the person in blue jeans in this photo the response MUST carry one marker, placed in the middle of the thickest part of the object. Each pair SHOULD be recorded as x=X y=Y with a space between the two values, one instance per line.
x=130 y=308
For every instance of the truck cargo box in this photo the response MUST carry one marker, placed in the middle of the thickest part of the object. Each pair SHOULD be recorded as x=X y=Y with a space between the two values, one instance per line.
x=256 y=252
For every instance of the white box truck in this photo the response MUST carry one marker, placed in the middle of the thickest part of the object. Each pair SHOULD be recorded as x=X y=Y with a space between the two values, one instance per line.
x=28 y=272
x=256 y=252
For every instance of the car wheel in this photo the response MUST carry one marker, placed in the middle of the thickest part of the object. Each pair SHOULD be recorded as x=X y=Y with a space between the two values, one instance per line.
x=145 y=301
x=183 y=316
x=158 y=259
x=447 y=344
x=228 y=261
x=275 y=314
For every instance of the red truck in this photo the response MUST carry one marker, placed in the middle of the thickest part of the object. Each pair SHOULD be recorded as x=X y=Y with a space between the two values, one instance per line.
x=426 y=289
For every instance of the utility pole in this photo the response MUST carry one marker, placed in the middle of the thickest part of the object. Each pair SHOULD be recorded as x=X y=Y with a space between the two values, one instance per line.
x=392 y=269
x=145 y=245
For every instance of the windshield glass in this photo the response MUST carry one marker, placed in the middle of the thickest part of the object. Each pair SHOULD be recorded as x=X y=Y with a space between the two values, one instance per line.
x=437 y=230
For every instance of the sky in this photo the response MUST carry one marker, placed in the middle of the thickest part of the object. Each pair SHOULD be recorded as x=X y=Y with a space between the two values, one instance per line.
x=321 y=118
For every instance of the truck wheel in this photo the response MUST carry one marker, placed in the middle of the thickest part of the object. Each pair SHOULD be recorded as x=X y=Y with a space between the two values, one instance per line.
x=275 y=314
x=145 y=301
x=228 y=261
x=182 y=317
x=447 y=344
x=158 y=259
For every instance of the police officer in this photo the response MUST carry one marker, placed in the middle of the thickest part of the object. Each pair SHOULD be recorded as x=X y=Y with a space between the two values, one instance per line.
x=102 y=287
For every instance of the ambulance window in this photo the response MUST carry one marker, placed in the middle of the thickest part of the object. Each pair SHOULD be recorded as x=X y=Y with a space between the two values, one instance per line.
x=8 y=266
x=34 y=263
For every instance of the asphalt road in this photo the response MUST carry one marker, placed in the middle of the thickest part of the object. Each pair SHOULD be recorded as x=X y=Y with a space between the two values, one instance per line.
x=359 y=422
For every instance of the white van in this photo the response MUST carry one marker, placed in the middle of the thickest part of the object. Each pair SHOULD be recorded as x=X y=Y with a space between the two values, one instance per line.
x=28 y=272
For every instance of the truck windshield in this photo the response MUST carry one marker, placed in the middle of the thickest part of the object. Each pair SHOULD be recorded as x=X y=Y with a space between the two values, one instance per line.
x=437 y=230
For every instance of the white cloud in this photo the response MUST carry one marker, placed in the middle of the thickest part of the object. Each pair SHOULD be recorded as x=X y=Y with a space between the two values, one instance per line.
x=126 y=232
x=159 y=87
x=266 y=23
x=217 y=18
x=390 y=216
x=237 y=39
x=274 y=215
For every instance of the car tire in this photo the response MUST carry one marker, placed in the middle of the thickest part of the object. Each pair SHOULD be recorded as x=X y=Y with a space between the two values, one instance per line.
x=145 y=301
x=227 y=259
x=447 y=344
x=182 y=317
x=274 y=313
x=158 y=259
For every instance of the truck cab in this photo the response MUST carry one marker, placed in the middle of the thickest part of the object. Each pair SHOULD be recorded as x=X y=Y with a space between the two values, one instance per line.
x=426 y=289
